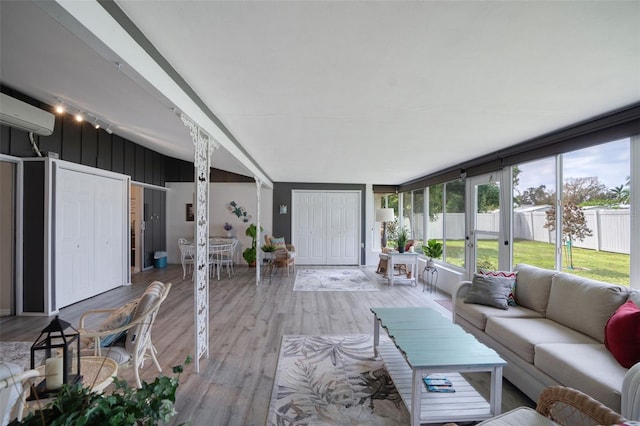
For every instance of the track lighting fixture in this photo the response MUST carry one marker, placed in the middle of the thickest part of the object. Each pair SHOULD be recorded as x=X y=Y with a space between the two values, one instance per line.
x=80 y=115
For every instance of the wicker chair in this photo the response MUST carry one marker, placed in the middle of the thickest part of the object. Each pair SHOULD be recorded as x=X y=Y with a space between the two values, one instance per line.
x=559 y=405
x=568 y=406
x=138 y=346
x=285 y=258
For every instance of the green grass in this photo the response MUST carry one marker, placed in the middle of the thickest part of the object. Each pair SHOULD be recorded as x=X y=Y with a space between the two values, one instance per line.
x=597 y=265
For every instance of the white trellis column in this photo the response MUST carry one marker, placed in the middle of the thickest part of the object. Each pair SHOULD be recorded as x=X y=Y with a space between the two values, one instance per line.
x=204 y=147
x=258 y=233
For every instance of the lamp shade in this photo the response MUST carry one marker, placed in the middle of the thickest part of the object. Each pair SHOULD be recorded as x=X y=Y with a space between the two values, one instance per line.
x=385 y=215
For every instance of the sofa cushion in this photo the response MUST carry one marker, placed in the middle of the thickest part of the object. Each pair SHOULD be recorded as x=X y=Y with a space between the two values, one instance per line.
x=478 y=314
x=511 y=275
x=622 y=334
x=533 y=286
x=489 y=290
x=589 y=368
x=278 y=243
x=635 y=297
x=583 y=304
x=521 y=335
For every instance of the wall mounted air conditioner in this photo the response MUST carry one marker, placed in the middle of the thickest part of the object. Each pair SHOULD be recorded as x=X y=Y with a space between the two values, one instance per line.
x=21 y=115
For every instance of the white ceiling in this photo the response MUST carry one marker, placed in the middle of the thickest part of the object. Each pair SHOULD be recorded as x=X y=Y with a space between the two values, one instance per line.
x=342 y=91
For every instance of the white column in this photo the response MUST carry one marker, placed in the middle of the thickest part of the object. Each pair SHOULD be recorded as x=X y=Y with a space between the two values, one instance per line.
x=258 y=233
x=204 y=146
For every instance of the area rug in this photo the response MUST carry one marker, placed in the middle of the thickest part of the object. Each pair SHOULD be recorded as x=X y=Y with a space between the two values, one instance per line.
x=333 y=380
x=18 y=353
x=444 y=302
x=333 y=280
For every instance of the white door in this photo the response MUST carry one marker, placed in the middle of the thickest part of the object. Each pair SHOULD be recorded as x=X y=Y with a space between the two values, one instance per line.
x=309 y=227
x=326 y=227
x=74 y=219
x=90 y=223
x=108 y=225
x=486 y=225
x=342 y=228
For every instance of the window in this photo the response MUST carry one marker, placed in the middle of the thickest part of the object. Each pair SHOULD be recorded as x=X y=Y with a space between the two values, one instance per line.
x=596 y=220
x=534 y=193
x=387 y=201
x=454 y=223
x=418 y=219
x=446 y=219
x=595 y=233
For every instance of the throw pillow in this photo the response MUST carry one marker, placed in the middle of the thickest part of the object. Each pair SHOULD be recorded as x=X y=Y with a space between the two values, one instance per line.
x=511 y=275
x=278 y=243
x=489 y=290
x=117 y=319
x=622 y=334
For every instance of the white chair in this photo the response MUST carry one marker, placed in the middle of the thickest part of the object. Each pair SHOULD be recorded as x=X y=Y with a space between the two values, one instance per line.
x=221 y=256
x=187 y=254
x=14 y=385
x=138 y=346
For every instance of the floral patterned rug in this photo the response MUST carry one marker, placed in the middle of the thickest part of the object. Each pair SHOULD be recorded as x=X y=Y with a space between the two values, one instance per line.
x=18 y=353
x=333 y=280
x=333 y=380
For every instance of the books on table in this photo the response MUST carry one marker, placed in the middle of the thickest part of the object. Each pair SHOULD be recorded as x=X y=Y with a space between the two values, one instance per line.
x=438 y=383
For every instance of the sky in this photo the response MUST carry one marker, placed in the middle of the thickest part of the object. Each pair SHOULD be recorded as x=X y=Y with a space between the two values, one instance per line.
x=610 y=162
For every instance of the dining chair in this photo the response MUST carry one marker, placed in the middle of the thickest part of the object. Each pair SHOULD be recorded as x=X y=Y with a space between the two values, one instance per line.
x=187 y=255
x=221 y=256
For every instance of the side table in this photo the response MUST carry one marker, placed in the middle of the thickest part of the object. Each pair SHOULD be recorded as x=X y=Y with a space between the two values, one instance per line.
x=97 y=372
x=430 y=279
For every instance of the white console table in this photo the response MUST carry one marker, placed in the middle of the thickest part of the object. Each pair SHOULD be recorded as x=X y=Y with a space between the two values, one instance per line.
x=407 y=258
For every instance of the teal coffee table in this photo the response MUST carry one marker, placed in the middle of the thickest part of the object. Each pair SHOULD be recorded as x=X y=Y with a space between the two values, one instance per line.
x=424 y=342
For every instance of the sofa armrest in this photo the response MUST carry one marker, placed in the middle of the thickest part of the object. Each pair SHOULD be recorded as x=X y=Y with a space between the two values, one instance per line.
x=461 y=291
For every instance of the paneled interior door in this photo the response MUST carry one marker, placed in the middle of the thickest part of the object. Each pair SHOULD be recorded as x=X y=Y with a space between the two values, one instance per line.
x=326 y=227
x=90 y=217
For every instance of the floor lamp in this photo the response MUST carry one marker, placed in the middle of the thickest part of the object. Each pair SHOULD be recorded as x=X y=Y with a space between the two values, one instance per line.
x=384 y=216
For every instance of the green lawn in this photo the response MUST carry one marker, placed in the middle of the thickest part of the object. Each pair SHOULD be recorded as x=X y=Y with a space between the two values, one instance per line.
x=597 y=265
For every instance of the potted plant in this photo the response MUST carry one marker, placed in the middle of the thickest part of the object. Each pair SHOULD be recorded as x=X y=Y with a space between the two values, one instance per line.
x=151 y=404
x=433 y=249
x=249 y=254
x=228 y=227
x=268 y=250
x=402 y=239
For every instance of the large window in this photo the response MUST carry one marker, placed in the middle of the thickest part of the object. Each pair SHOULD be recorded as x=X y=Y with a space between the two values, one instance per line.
x=454 y=223
x=534 y=194
x=591 y=235
x=418 y=219
x=387 y=201
x=596 y=220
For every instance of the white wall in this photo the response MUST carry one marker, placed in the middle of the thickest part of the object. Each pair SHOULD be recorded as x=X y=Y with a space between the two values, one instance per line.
x=220 y=194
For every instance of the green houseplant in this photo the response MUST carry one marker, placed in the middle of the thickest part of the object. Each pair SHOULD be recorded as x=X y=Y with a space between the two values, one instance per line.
x=249 y=254
x=402 y=239
x=433 y=249
x=76 y=405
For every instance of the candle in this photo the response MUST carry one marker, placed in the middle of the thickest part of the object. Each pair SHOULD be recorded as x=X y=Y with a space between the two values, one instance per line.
x=53 y=373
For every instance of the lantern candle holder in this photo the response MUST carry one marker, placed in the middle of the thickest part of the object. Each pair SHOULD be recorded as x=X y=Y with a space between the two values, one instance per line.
x=61 y=353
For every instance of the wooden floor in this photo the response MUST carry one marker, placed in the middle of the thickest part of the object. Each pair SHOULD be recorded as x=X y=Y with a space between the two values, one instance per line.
x=246 y=325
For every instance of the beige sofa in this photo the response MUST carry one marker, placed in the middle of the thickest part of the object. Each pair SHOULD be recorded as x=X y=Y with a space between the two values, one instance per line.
x=555 y=334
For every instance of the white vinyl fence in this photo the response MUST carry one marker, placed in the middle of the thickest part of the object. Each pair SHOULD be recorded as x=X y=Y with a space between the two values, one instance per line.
x=611 y=228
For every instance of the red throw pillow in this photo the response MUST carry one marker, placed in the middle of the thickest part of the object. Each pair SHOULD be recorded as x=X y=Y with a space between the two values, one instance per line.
x=622 y=334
